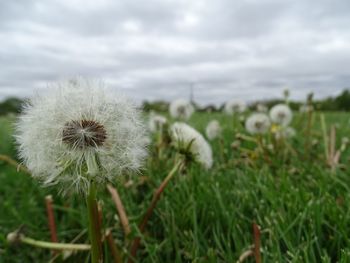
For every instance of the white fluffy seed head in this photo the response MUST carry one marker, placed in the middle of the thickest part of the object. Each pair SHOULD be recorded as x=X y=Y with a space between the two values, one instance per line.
x=184 y=135
x=281 y=114
x=285 y=132
x=257 y=123
x=181 y=109
x=261 y=108
x=305 y=108
x=156 y=122
x=80 y=132
x=235 y=106
x=213 y=130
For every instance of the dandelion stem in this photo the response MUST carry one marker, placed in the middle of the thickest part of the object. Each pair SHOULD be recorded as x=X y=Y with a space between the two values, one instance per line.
x=325 y=137
x=257 y=243
x=155 y=199
x=113 y=247
x=14 y=163
x=94 y=225
x=52 y=245
x=51 y=220
x=120 y=208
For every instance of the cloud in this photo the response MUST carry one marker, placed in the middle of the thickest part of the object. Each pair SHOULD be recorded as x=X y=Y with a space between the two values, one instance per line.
x=248 y=49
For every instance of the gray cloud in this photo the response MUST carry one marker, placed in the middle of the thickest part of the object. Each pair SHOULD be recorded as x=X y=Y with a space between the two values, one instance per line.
x=248 y=49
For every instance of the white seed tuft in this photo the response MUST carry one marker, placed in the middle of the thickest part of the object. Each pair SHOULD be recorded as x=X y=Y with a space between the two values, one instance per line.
x=235 y=106
x=181 y=109
x=213 y=130
x=281 y=114
x=285 y=132
x=261 y=108
x=80 y=132
x=184 y=135
x=257 y=123
x=156 y=122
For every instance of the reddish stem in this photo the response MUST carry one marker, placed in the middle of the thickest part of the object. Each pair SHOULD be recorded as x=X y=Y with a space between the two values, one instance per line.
x=112 y=246
x=155 y=199
x=120 y=208
x=257 y=243
x=51 y=220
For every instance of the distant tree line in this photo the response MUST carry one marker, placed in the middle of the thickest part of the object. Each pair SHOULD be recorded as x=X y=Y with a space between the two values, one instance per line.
x=11 y=105
x=339 y=103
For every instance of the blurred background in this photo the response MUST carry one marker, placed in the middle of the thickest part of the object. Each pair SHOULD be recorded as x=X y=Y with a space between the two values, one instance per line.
x=160 y=50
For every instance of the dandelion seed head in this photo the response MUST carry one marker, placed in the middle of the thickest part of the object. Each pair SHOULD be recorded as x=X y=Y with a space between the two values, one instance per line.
x=78 y=132
x=285 y=132
x=187 y=138
x=305 y=108
x=181 y=109
x=257 y=123
x=83 y=133
x=261 y=108
x=235 y=106
x=281 y=114
x=156 y=122
x=213 y=130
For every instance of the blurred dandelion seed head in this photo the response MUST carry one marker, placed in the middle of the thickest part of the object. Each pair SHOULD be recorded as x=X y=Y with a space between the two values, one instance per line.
x=156 y=122
x=258 y=123
x=181 y=109
x=213 y=130
x=281 y=114
x=235 y=106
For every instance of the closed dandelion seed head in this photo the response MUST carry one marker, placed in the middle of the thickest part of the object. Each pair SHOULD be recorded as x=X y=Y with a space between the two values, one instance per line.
x=261 y=108
x=181 y=109
x=80 y=132
x=235 y=106
x=258 y=123
x=286 y=93
x=213 y=130
x=189 y=141
x=281 y=114
x=156 y=123
x=236 y=144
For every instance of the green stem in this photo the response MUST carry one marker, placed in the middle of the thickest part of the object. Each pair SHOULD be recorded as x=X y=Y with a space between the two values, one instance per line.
x=94 y=225
x=51 y=245
x=156 y=196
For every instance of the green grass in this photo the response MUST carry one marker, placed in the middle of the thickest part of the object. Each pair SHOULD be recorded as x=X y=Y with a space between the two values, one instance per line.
x=204 y=216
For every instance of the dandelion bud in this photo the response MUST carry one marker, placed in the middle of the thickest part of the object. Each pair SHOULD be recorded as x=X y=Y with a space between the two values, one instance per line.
x=13 y=237
x=236 y=144
x=314 y=142
x=286 y=93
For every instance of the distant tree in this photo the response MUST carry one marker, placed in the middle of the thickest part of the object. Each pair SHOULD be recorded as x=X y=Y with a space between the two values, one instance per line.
x=159 y=106
x=343 y=101
x=11 y=105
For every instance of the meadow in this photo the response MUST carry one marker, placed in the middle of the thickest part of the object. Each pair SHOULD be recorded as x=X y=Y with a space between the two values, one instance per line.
x=299 y=201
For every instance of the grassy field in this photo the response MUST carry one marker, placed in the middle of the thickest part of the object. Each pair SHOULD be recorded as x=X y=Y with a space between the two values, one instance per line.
x=300 y=204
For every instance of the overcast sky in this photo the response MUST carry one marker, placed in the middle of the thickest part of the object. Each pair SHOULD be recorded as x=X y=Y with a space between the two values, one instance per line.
x=155 y=49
